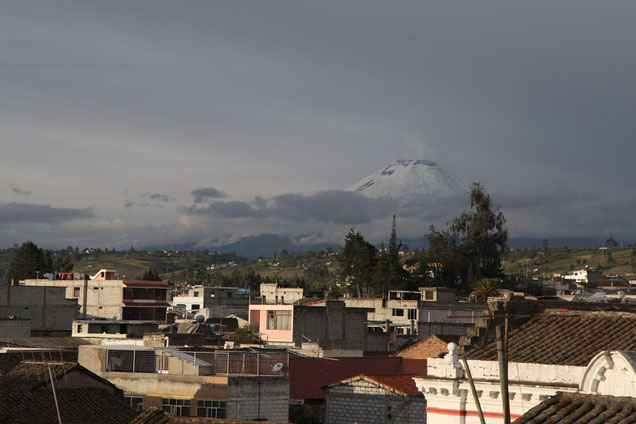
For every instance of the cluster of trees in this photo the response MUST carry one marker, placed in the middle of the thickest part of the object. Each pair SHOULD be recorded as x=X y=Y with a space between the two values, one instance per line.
x=30 y=261
x=463 y=254
x=369 y=271
x=471 y=247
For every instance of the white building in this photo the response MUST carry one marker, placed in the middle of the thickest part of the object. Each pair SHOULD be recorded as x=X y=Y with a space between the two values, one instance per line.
x=272 y=294
x=573 y=352
x=104 y=296
x=220 y=301
x=584 y=275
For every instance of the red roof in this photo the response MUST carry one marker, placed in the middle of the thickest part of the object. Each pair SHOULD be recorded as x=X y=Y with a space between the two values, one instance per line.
x=307 y=376
x=150 y=284
x=401 y=383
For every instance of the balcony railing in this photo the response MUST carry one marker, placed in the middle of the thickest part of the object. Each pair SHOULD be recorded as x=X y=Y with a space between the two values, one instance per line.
x=219 y=362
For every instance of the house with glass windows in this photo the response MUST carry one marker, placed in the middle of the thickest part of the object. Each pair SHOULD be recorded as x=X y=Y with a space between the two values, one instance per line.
x=326 y=325
x=229 y=384
x=106 y=296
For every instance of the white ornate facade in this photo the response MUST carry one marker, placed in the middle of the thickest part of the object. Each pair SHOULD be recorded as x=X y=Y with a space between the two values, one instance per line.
x=450 y=400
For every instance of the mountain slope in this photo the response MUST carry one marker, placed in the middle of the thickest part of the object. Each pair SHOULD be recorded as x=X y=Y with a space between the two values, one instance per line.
x=409 y=182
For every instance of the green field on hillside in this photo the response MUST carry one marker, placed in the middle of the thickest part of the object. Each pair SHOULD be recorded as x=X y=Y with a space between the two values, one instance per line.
x=537 y=262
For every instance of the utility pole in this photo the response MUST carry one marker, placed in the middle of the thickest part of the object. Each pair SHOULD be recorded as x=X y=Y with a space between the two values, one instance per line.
x=503 y=375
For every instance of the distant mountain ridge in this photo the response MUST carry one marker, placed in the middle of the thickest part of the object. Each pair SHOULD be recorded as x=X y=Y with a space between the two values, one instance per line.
x=253 y=246
x=409 y=182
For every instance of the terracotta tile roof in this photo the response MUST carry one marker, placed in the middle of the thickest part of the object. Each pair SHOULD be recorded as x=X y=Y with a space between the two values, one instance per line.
x=158 y=416
x=29 y=375
x=33 y=375
x=403 y=383
x=561 y=305
x=571 y=338
x=9 y=360
x=307 y=376
x=77 y=406
x=567 y=408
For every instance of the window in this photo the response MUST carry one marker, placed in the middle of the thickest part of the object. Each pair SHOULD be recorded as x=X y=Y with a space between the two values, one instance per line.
x=76 y=291
x=196 y=294
x=429 y=295
x=398 y=312
x=279 y=320
x=135 y=402
x=211 y=408
x=180 y=407
x=196 y=307
x=412 y=314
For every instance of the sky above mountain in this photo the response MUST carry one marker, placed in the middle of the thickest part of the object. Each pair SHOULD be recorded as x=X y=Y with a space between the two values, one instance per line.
x=148 y=122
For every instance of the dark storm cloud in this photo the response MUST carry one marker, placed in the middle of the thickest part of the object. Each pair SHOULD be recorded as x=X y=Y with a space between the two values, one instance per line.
x=339 y=207
x=159 y=197
x=20 y=191
x=201 y=194
x=534 y=99
x=11 y=213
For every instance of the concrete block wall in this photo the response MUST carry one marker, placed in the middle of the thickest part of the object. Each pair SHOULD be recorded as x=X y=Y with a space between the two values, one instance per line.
x=46 y=307
x=15 y=328
x=364 y=402
x=334 y=327
x=426 y=329
x=258 y=398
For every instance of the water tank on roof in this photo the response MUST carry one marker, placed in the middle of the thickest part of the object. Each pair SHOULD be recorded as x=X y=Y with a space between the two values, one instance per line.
x=200 y=319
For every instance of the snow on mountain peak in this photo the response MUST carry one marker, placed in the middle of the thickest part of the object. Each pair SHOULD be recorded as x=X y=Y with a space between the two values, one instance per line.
x=409 y=182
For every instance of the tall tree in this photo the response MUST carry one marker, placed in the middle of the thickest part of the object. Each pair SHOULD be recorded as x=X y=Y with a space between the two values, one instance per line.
x=472 y=246
x=62 y=264
x=151 y=274
x=396 y=276
x=357 y=263
x=29 y=262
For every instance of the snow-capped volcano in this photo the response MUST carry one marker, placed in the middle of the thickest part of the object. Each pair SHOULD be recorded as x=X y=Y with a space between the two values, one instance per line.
x=409 y=182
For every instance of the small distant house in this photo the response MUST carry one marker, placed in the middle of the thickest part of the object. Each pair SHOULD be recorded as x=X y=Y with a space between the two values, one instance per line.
x=272 y=294
x=217 y=301
x=102 y=296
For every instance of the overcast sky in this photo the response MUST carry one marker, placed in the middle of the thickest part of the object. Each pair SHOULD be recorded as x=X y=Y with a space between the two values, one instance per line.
x=147 y=122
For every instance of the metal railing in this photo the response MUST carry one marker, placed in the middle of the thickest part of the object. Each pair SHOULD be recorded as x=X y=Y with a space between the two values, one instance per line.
x=221 y=362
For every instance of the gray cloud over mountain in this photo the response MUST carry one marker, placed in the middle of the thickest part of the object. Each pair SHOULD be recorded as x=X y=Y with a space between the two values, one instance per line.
x=20 y=191
x=274 y=101
x=201 y=194
x=159 y=197
x=340 y=207
x=11 y=213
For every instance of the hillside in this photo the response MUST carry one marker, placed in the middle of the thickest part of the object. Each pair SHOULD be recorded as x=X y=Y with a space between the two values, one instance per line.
x=534 y=261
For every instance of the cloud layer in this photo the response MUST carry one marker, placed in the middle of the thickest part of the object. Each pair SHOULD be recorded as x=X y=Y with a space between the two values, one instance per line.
x=233 y=118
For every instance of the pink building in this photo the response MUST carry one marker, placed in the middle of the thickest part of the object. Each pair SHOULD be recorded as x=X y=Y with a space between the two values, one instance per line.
x=274 y=323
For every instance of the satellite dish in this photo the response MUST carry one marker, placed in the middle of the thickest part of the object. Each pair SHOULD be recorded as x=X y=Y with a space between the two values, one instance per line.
x=277 y=366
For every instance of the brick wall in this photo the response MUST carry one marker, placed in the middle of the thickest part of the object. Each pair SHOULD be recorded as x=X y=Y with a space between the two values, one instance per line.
x=364 y=402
